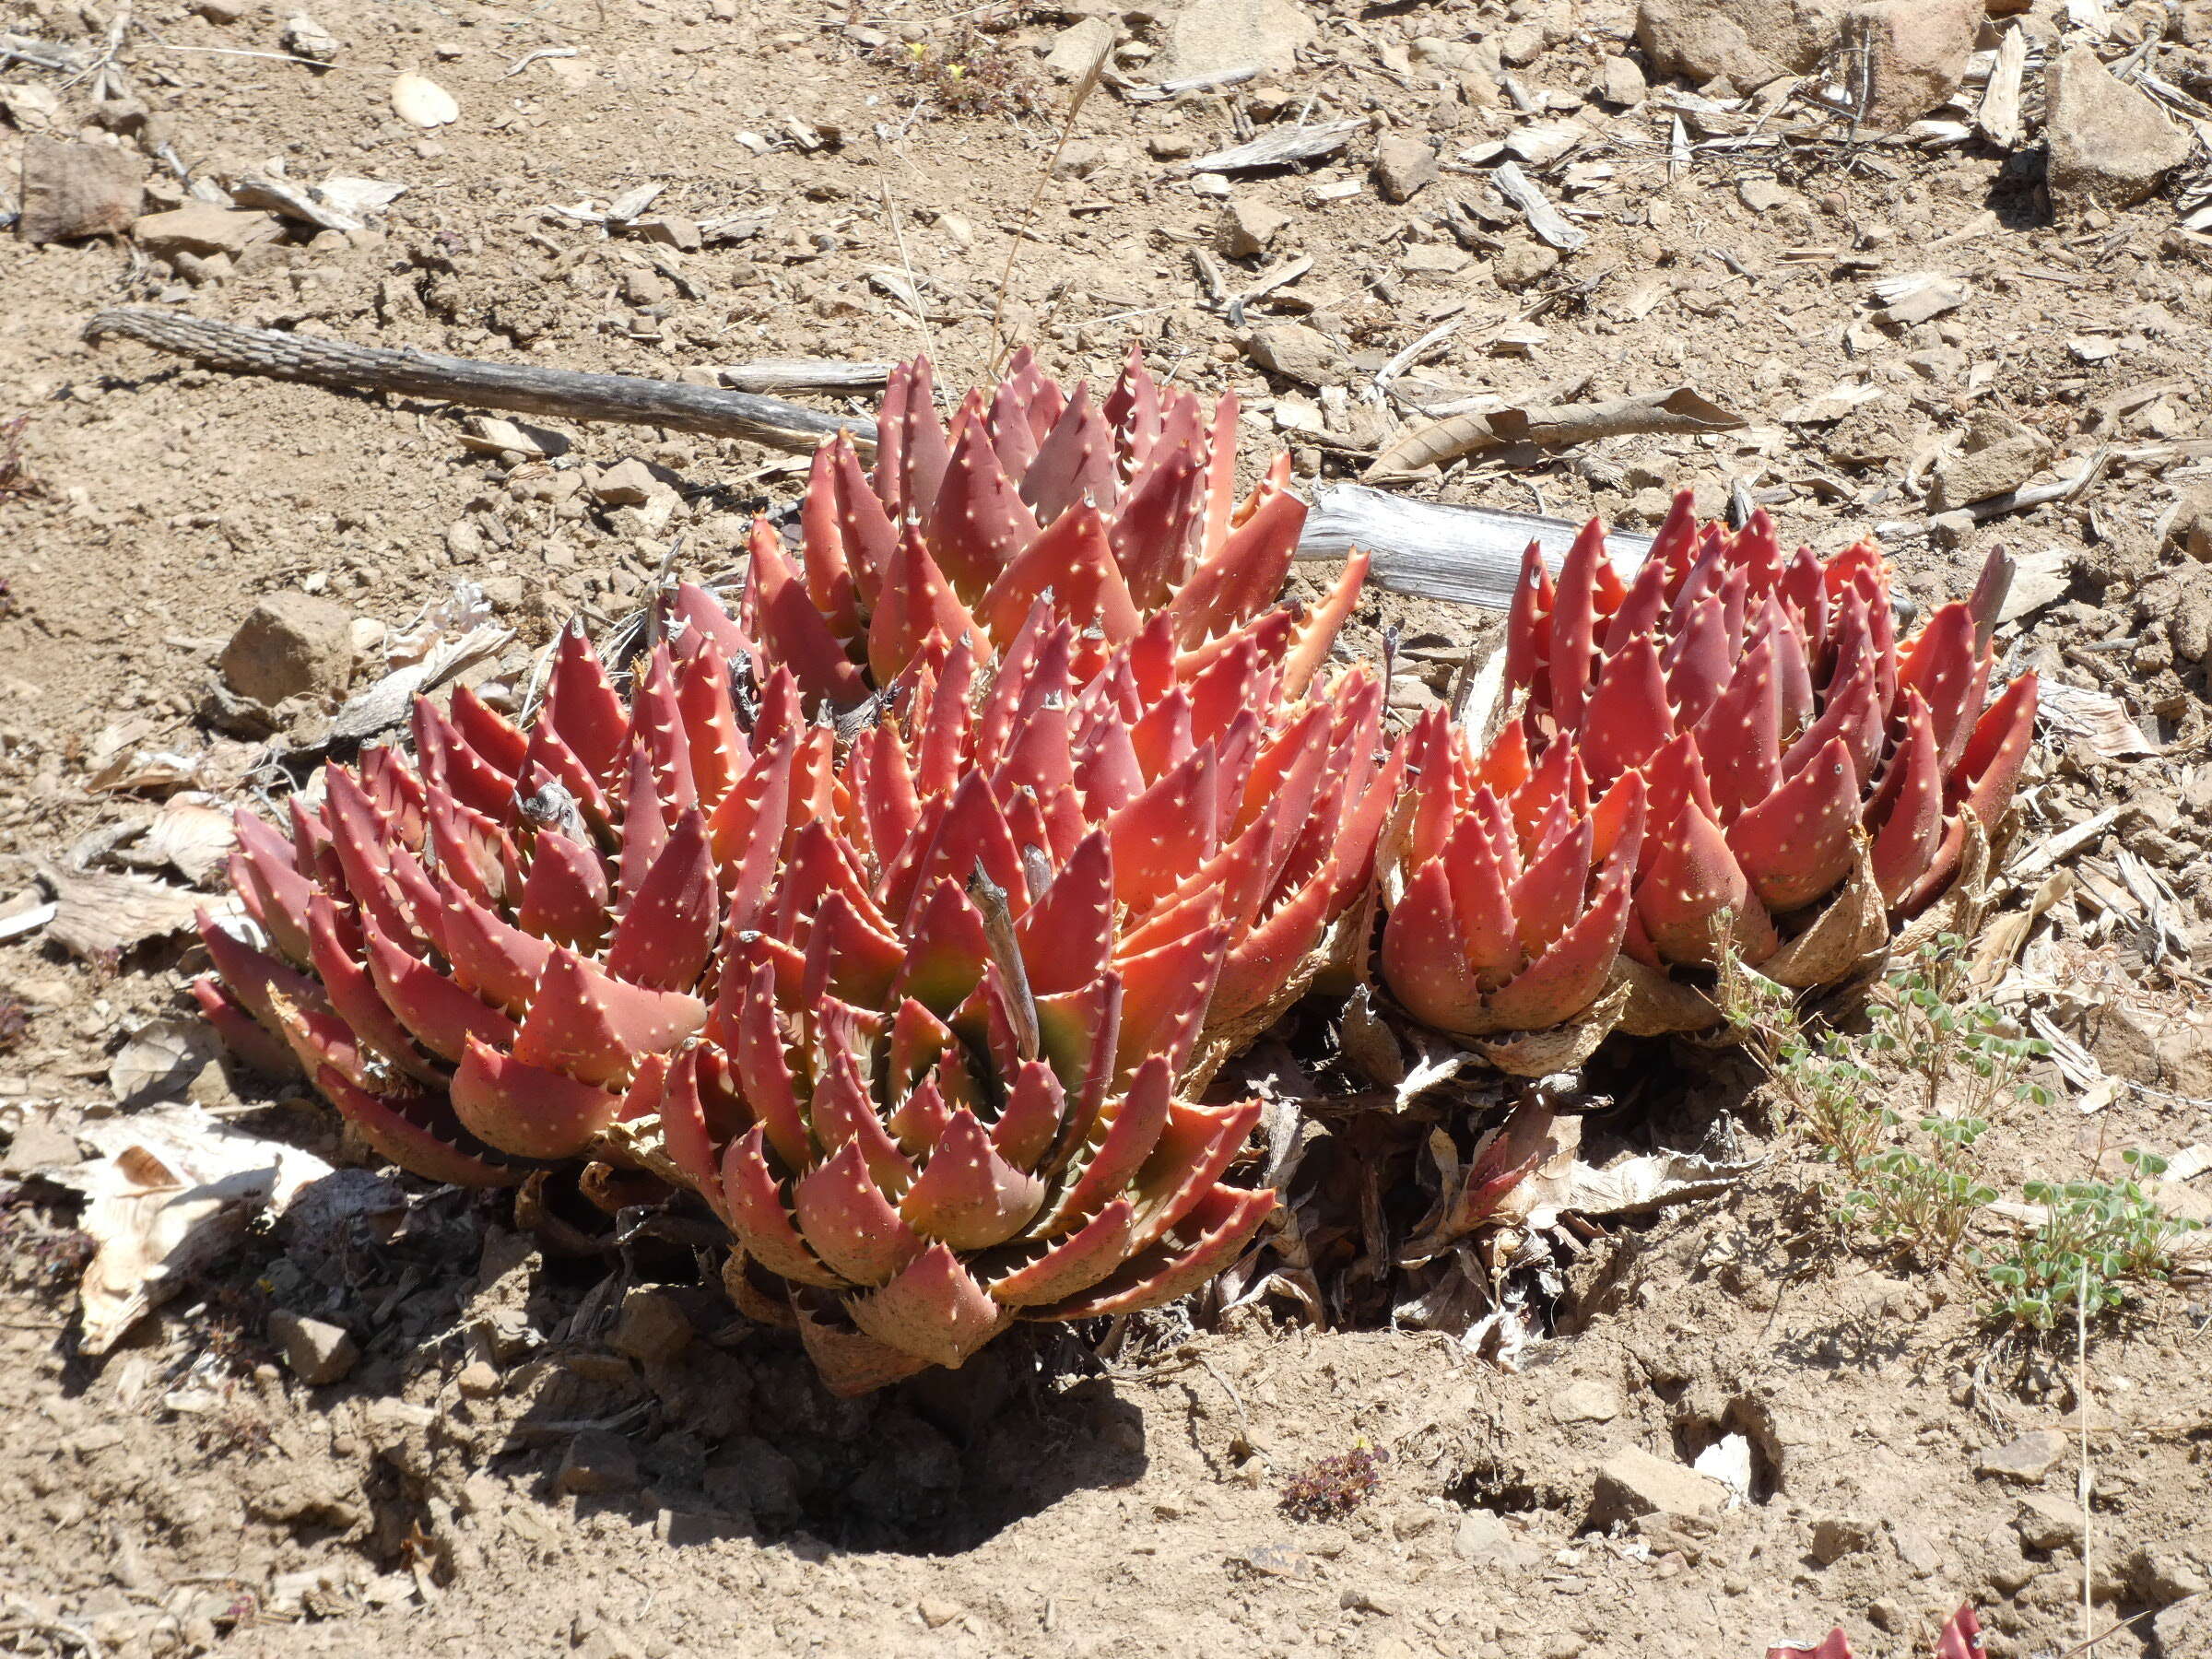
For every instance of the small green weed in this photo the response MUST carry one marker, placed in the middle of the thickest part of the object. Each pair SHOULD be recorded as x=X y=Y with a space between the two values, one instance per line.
x=1921 y=1200
x=1920 y=1024
x=1913 y=1190
x=2098 y=1239
x=1916 y=1188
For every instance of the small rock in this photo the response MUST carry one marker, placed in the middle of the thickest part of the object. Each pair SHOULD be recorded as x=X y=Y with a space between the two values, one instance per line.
x=2110 y=144
x=73 y=190
x=1171 y=147
x=1565 y=1644
x=2000 y=455
x=1439 y=260
x=1634 y=1483
x=1520 y=262
x=1297 y=352
x=1483 y=1538
x=463 y=542
x=1763 y=196
x=1521 y=44
x=1586 y=1400
x=305 y=38
x=598 y=1462
x=1247 y=226
x=2008 y=1570
x=222 y=11
x=1404 y=165
x=1919 y=1556
x=1835 y=1536
x=202 y=228
x=290 y=645
x=2026 y=1460
x=670 y=231
x=40 y=1145
x=1620 y=81
x=124 y=115
x=1951 y=529
x=1078 y=159
x=1076 y=48
x=2162 y=1574
x=421 y=102
x=1212 y=37
x=1916 y=49
x=477 y=1381
x=317 y=1351
x=2047 y=1523
x=937 y=1612
x=626 y=484
x=2191 y=530
x=652 y=1327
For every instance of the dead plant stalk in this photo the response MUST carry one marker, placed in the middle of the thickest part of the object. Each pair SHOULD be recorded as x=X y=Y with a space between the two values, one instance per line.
x=1081 y=95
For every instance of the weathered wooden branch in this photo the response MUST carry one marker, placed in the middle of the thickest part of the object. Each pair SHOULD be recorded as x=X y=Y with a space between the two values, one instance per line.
x=563 y=394
x=1468 y=554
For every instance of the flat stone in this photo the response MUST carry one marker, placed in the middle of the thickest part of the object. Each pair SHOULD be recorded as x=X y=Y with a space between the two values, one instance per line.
x=1434 y=259
x=1634 y=1483
x=1917 y=49
x=626 y=484
x=73 y=190
x=1298 y=353
x=652 y=1327
x=1076 y=49
x=2048 y=1523
x=1247 y=226
x=477 y=1381
x=670 y=231
x=317 y=1351
x=1519 y=264
x=1403 y=166
x=1999 y=456
x=2026 y=1460
x=40 y=1144
x=202 y=228
x=1919 y=1556
x=1213 y=37
x=291 y=644
x=1620 y=80
x=2110 y=145
x=597 y=1462
x=1835 y=1536
x=1483 y=1538
x=2162 y=1574
x=2191 y=530
x=1763 y=196
x=1585 y=1400
x=306 y=37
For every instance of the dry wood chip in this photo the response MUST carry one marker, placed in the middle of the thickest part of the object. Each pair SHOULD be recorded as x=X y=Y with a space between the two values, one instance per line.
x=1677 y=409
x=1999 y=115
x=1467 y=555
x=1545 y=219
x=1278 y=147
x=101 y=916
x=801 y=374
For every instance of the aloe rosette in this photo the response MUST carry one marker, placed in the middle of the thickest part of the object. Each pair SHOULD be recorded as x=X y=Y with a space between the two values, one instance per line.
x=914 y=1001
x=1121 y=509
x=1513 y=893
x=1810 y=781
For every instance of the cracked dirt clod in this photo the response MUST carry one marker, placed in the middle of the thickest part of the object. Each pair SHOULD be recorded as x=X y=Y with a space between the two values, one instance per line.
x=290 y=644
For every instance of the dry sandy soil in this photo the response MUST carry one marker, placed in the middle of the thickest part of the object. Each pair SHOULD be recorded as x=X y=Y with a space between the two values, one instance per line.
x=187 y=1494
